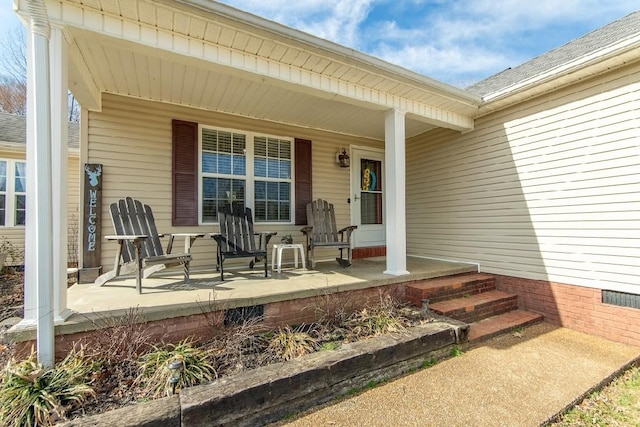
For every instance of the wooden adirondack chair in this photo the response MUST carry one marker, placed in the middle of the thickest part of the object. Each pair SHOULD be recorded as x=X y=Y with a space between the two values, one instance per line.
x=321 y=232
x=237 y=239
x=139 y=245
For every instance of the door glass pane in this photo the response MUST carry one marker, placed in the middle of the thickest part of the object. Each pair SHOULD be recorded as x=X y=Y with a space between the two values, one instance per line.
x=371 y=208
x=371 y=191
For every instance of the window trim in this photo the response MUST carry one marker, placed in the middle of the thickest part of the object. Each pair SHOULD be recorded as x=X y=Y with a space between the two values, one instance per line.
x=10 y=194
x=250 y=177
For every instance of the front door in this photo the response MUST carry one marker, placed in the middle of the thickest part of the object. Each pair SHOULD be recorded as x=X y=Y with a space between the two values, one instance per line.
x=367 y=183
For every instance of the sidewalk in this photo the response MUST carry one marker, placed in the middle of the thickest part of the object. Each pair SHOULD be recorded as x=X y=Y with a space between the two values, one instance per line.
x=513 y=380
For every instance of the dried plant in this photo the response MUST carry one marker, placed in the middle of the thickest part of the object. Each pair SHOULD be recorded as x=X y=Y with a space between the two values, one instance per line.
x=333 y=309
x=117 y=348
x=238 y=347
x=196 y=368
x=384 y=317
x=287 y=343
x=31 y=395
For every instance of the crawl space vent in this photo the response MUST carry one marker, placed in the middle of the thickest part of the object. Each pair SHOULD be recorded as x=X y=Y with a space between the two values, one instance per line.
x=621 y=299
x=237 y=316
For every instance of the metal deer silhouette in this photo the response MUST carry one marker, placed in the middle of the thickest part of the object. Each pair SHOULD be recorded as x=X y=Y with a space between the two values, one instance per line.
x=93 y=174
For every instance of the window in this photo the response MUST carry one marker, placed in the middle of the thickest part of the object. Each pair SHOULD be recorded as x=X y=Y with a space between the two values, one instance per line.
x=243 y=169
x=13 y=193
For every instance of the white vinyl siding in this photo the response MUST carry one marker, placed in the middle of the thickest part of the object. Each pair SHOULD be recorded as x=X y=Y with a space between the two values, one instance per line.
x=132 y=140
x=548 y=189
x=15 y=235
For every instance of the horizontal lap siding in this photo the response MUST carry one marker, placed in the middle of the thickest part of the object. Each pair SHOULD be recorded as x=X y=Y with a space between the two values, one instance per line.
x=546 y=190
x=132 y=139
x=15 y=235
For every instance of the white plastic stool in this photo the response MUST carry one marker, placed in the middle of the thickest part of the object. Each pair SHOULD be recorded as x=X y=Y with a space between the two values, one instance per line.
x=279 y=247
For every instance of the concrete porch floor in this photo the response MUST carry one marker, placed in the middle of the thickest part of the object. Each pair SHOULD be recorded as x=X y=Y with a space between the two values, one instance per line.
x=164 y=296
x=164 y=292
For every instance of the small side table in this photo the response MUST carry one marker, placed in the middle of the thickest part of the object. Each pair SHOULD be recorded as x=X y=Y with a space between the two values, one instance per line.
x=279 y=247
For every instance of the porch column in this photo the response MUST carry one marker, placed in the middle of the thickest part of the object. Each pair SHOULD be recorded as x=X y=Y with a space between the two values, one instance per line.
x=59 y=152
x=39 y=258
x=396 y=227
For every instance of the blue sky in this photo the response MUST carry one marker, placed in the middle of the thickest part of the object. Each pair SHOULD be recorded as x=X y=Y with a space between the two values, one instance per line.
x=454 y=41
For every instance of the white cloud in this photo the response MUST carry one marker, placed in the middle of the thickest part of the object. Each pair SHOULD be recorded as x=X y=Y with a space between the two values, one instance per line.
x=335 y=20
x=465 y=41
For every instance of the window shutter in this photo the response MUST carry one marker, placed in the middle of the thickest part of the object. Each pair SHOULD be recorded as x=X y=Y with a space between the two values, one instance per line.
x=185 y=173
x=303 y=179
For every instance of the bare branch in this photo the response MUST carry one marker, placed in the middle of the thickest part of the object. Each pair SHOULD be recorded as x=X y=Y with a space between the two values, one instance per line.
x=13 y=96
x=14 y=58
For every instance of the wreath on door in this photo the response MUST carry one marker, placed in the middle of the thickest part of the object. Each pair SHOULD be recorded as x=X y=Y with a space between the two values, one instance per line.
x=368 y=180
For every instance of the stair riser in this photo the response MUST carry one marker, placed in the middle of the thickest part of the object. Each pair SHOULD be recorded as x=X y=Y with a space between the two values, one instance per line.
x=415 y=293
x=481 y=311
x=477 y=334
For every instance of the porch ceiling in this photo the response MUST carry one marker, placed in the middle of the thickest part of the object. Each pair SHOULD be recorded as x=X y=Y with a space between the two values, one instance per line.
x=210 y=56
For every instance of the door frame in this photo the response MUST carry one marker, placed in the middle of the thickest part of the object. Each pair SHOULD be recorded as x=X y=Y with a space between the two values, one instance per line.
x=354 y=176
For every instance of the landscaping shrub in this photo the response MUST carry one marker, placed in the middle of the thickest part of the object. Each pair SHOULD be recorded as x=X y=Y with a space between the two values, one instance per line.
x=196 y=368
x=116 y=350
x=123 y=366
x=31 y=395
x=238 y=347
x=287 y=343
x=382 y=318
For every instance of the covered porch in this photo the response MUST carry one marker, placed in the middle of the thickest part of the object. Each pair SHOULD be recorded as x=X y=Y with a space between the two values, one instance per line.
x=137 y=68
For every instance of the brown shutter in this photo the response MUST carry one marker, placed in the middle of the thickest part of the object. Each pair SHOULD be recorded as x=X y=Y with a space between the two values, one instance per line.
x=185 y=173
x=303 y=179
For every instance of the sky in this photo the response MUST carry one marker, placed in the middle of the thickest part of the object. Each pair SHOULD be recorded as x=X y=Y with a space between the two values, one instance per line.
x=454 y=41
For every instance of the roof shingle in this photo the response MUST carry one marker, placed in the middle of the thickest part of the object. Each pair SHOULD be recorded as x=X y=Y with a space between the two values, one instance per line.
x=610 y=34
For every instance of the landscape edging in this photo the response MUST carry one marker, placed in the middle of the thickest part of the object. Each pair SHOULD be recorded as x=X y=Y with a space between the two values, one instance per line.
x=270 y=393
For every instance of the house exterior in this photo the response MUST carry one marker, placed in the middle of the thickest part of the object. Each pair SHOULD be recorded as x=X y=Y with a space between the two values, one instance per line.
x=530 y=174
x=13 y=162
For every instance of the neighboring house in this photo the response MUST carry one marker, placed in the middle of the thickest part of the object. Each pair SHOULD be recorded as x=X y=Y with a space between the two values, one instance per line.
x=13 y=184
x=531 y=174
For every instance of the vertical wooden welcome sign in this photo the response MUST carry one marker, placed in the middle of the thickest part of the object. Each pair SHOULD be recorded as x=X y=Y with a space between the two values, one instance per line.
x=92 y=219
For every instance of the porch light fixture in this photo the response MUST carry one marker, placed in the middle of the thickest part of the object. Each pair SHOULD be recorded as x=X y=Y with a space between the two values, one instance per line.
x=175 y=372
x=342 y=158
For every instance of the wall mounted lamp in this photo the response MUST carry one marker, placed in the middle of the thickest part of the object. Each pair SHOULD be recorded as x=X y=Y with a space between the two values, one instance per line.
x=342 y=158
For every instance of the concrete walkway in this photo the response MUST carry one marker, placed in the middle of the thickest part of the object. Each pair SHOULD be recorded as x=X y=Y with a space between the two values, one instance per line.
x=521 y=379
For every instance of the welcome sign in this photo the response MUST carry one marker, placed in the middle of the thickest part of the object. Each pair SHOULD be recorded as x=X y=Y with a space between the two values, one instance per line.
x=92 y=232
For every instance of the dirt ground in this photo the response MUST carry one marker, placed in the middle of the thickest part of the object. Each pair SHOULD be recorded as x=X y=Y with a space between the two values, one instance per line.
x=11 y=295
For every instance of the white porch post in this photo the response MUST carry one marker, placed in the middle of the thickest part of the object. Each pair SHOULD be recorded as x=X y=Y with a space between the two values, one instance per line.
x=59 y=149
x=30 y=282
x=396 y=226
x=39 y=260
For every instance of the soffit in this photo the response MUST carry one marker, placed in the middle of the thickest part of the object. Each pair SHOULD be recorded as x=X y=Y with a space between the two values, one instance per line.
x=266 y=69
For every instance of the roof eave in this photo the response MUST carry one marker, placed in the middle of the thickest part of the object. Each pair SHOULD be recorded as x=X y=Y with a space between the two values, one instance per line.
x=336 y=50
x=597 y=62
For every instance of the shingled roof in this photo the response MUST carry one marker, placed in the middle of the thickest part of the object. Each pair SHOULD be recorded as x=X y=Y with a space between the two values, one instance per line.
x=603 y=37
x=13 y=130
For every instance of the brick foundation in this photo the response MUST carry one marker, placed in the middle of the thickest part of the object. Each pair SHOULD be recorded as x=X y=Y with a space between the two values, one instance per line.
x=564 y=305
x=204 y=326
x=575 y=307
x=307 y=310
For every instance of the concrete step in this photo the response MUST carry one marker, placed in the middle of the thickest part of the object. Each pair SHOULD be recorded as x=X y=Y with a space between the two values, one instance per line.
x=502 y=323
x=476 y=307
x=444 y=288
